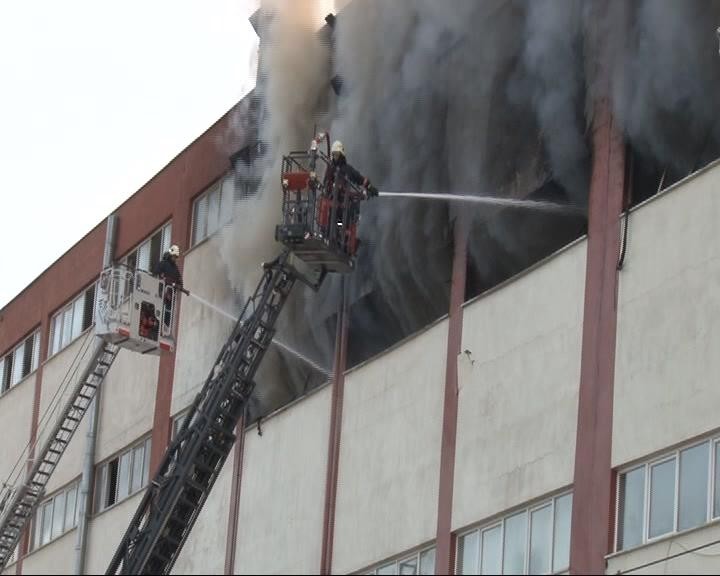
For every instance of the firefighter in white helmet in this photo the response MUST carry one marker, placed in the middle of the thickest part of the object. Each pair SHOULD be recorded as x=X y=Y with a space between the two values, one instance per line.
x=168 y=272
x=341 y=168
x=338 y=174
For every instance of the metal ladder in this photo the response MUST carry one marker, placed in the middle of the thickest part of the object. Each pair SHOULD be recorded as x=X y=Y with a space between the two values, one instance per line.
x=25 y=501
x=193 y=461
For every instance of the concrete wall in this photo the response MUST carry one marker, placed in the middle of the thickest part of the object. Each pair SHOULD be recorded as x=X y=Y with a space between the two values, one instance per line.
x=390 y=452
x=15 y=417
x=202 y=331
x=703 y=561
x=204 y=550
x=106 y=531
x=54 y=376
x=282 y=491
x=669 y=321
x=518 y=390
x=56 y=557
x=127 y=402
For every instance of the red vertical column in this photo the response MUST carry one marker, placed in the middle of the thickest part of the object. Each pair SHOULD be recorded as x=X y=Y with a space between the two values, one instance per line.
x=336 y=408
x=592 y=499
x=445 y=540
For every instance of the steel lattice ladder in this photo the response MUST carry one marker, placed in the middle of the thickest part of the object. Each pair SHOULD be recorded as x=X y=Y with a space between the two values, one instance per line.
x=193 y=461
x=24 y=502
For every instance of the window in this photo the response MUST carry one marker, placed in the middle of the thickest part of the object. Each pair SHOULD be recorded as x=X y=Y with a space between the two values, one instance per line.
x=675 y=492
x=422 y=562
x=20 y=361
x=72 y=320
x=122 y=476
x=56 y=516
x=213 y=209
x=532 y=541
x=147 y=255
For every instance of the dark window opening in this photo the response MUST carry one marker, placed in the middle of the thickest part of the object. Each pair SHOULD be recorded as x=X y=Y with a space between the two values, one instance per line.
x=89 y=312
x=132 y=260
x=112 y=481
x=8 y=372
x=28 y=356
x=155 y=249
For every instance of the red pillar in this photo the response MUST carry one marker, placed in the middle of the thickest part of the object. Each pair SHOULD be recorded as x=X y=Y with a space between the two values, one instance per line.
x=445 y=539
x=592 y=499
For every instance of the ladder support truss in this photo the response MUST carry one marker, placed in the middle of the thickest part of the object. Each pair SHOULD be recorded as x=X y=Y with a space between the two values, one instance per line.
x=193 y=461
x=21 y=506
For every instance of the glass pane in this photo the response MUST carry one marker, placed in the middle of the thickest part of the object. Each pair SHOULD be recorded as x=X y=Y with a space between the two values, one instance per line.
x=692 y=507
x=58 y=515
x=2 y=374
x=166 y=237
x=716 y=498
x=37 y=528
x=491 y=551
x=67 y=326
x=632 y=508
x=662 y=498
x=100 y=487
x=226 y=203
x=36 y=351
x=77 y=320
x=70 y=508
x=540 y=539
x=17 y=364
x=468 y=547
x=146 y=462
x=515 y=542
x=124 y=476
x=137 y=470
x=387 y=569
x=200 y=219
x=47 y=522
x=427 y=562
x=143 y=256
x=409 y=566
x=561 y=544
x=56 y=333
x=213 y=211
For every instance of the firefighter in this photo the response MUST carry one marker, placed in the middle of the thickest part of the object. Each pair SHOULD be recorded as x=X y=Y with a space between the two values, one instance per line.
x=338 y=173
x=169 y=273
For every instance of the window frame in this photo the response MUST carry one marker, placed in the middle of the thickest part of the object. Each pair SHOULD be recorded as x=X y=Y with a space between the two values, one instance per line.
x=224 y=213
x=37 y=530
x=397 y=560
x=131 y=258
x=647 y=465
x=104 y=483
x=58 y=319
x=18 y=354
x=500 y=521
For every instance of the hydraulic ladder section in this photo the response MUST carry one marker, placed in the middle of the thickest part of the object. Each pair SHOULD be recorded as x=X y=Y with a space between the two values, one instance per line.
x=23 y=503
x=193 y=460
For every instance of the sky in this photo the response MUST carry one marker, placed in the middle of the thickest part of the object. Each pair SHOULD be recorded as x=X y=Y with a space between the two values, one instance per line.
x=98 y=96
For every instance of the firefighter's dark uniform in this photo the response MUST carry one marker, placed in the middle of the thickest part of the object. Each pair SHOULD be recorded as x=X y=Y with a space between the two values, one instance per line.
x=340 y=172
x=168 y=271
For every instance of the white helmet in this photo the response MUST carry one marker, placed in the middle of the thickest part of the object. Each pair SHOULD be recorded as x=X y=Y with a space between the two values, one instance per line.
x=338 y=147
x=174 y=251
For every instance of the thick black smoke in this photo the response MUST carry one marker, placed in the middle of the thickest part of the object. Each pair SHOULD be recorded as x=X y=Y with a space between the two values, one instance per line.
x=492 y=97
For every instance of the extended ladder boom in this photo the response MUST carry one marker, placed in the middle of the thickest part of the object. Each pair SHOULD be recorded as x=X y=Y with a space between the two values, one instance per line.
x=24 y=502
x=193 y=460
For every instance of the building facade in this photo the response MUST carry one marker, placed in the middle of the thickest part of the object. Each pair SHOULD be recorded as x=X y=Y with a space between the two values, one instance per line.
x=563 y=421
